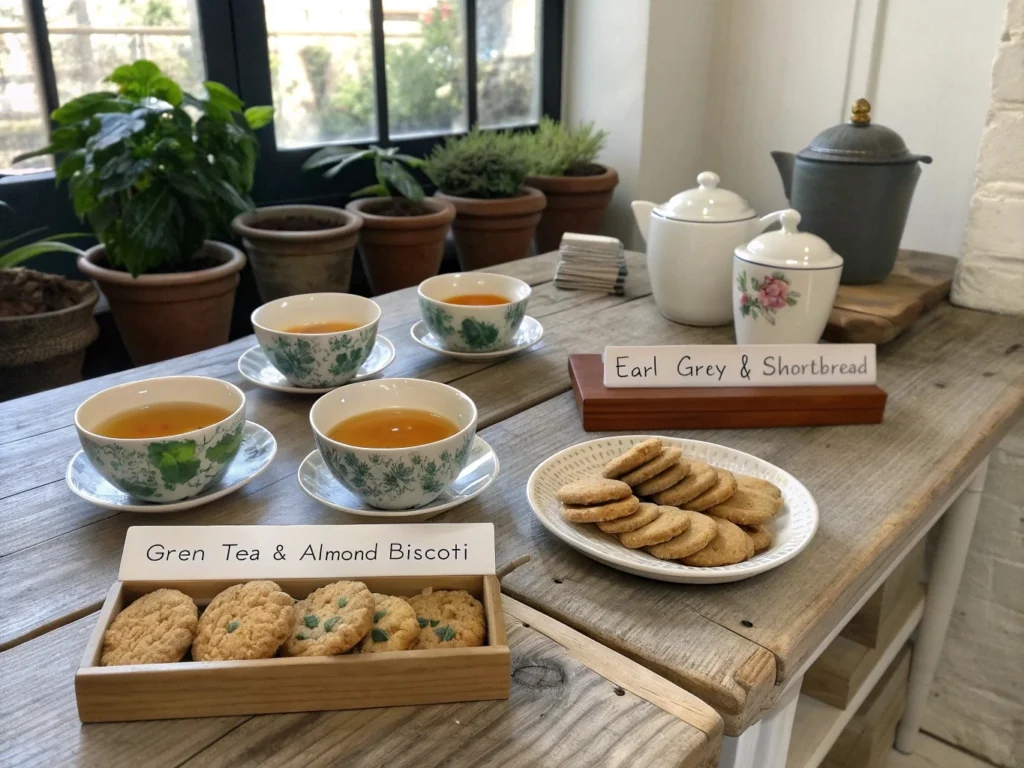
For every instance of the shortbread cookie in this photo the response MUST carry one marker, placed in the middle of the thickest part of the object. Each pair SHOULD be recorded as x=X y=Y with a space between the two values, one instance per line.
x=449 y=619
x=596 y=513
x=246 y=621
x=593 y=490
x=670 y=523
x=663 y=480
x=747 y=507
x=757 y=484
x=667 y=458
x=730 y=545
x=700 y=533
x=759 y=535
x=158 y=628
x=331 y=620
x=724 y=487
x=633 y=458
x=394 y=626
x=702 y=476
x=645 y=513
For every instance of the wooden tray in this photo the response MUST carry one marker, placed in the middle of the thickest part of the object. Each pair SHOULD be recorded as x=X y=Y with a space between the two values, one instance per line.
x=262 y=686
x=603 y=409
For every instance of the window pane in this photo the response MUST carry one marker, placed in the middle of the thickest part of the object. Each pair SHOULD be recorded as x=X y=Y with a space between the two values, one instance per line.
x=425 y=57
x=22 y=112
x=508 y=64
x=321 y=71
x=90 y=38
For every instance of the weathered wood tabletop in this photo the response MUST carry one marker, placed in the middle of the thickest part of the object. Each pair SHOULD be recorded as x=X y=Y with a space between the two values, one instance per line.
x=955 y=384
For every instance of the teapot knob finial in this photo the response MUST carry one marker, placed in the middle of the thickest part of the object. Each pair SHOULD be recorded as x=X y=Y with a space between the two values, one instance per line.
x=708 y=179
x=860 y=113
x=789 y=219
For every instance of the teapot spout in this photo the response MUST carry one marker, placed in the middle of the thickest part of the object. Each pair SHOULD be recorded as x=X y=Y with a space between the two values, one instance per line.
x=784 y=162
x=642 y=210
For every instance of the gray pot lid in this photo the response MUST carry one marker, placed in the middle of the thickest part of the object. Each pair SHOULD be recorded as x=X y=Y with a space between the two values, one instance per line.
x=860 y=141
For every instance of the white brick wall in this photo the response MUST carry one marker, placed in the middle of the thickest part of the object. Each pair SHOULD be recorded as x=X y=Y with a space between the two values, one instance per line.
x=977 y=699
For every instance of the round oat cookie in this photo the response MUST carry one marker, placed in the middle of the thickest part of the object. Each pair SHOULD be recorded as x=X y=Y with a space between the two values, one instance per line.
x=747 y=507
x=759 y=535
x=330 y=621
x=593 y=490
x=657 y=465
x=633 y=458
x=702 y=476
x=645 y=513
x=700 y=533
x=449 y=619
x=730 y=545
x=157 y=628
x=246 y=621
x=613 y=510
x=724 y=487
x=670 y=523
x=394 y=626
x=757 y=484
x=663 y=480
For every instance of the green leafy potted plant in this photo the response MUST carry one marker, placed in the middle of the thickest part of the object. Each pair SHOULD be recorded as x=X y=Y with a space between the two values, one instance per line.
x=156 y=171
x=402 y=238
x=482 y=175
x=46 y=320
x=562 y=165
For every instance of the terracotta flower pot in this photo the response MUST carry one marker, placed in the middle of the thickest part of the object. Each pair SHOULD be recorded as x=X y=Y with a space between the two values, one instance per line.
x=489 y=232
x=297 y=249
x=167 y=315
x=575 y=204
x=400 y=251
x=46 y=350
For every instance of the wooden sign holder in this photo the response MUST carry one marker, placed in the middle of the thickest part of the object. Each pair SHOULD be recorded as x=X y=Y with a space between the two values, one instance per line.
x=603 y=409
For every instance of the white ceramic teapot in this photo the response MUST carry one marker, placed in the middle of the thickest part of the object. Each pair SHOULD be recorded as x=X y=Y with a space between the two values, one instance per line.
x=690 y=242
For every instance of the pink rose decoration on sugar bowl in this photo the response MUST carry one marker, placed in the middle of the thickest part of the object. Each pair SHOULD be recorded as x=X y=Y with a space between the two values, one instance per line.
x=765 y=297
x=773 y=293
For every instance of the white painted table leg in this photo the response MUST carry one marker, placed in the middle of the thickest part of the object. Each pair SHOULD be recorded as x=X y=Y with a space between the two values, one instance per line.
x=943 y=585
x=766 y=743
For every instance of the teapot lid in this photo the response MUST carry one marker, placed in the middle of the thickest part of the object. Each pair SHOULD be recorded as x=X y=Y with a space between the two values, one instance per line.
x=706 y=202
x=788 y=247
x=860 y=141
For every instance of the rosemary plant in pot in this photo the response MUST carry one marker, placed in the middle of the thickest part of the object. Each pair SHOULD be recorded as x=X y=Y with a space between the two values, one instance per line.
x=562 y=165
x=482 y=175
x=402 y=239
x=157 y=171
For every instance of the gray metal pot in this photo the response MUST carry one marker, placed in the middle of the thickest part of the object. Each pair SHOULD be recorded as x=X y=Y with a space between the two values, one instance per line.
x=853 y=186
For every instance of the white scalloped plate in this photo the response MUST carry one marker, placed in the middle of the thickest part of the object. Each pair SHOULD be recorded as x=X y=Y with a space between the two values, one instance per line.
x=792 y=529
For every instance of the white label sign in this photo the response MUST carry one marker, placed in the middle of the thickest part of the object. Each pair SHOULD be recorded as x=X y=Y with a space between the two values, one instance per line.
x=752 y=365
x=194 y=552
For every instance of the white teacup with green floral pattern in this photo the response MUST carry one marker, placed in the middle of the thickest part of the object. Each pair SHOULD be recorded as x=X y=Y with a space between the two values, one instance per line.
x=317 y=359
x=395 y=478
x=471 y=328
x=163 y=469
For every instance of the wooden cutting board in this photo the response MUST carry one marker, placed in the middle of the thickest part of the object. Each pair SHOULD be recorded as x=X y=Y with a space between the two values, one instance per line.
x=875 y=314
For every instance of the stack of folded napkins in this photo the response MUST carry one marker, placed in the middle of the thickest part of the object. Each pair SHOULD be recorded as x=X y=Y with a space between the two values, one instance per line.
x=591 y=263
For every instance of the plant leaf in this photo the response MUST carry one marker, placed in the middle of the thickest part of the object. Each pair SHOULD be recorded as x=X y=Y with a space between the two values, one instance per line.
x=257 y=117
x=26 y=252
x=395 y=176
x=222 y=96
x=373 y=190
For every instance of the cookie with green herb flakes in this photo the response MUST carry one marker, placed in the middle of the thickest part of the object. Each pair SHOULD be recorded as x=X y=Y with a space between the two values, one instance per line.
x=633 y=458
x=246 y=621
x=330 y=621
x=395 y=627
x=449 y=619
x=158 y=628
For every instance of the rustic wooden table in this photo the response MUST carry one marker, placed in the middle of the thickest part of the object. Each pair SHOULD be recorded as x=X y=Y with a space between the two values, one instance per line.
x=955 y=383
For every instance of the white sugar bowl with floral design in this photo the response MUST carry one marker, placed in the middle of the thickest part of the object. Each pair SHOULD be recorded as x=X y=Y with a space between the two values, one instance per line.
x=784 y=283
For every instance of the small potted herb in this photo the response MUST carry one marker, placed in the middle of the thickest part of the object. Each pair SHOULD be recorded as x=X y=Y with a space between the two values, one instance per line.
x=482 y=175
x=46 y=320
x=562 y=165
x=157 y=171
x=402 y=238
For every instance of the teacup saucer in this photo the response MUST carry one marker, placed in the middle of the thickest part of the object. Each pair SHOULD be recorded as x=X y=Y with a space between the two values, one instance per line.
x=255 y=454
x=254 y=365
x=529 y=333
x=481 y=469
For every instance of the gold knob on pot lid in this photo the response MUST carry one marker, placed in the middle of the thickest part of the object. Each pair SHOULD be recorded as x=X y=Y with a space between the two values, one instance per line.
x=860 y=112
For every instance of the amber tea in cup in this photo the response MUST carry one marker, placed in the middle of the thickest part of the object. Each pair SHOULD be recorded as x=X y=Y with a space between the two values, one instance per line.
x=393 y=428
x=161 y=420
x=329 y=326
x=477 y=299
